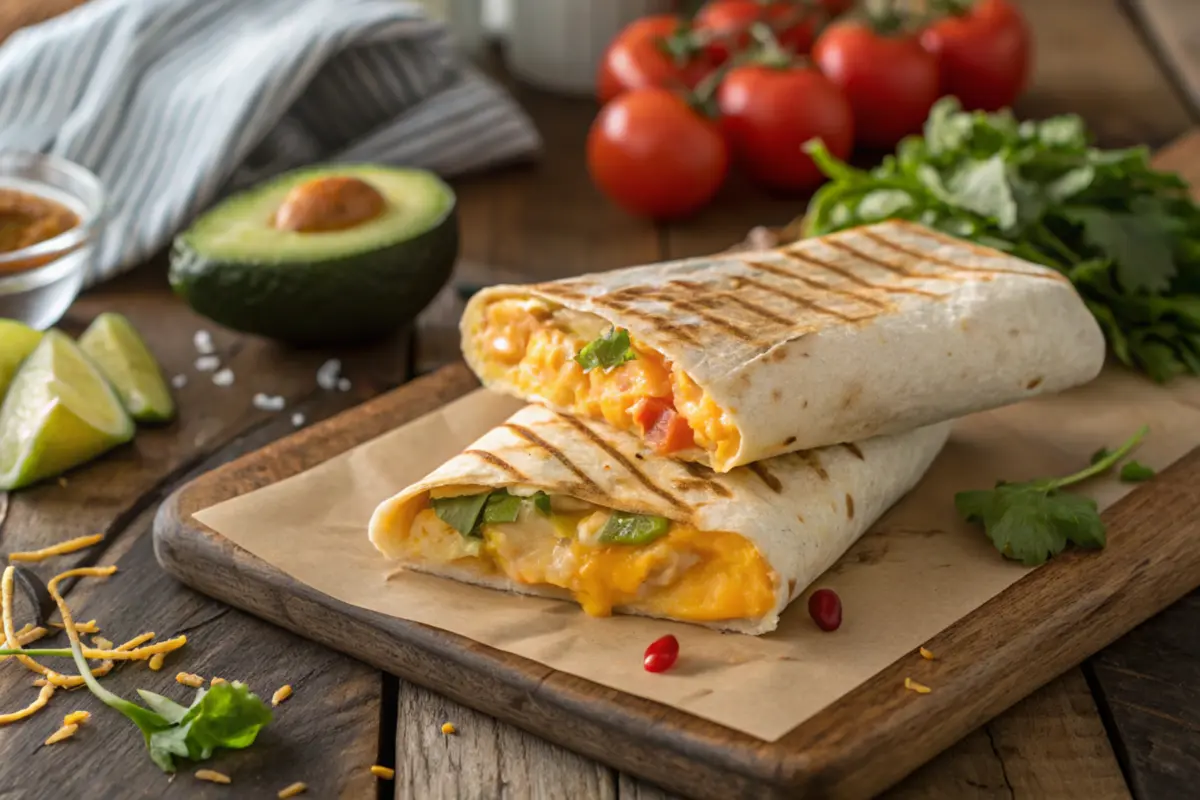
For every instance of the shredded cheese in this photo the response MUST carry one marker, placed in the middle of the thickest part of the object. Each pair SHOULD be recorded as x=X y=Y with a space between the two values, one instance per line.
x=83 y=627
x=913 y=686
x=63 y=733
x=387 y=773
x=156 y=661
x=189 y=679
x=448 y=728
x=60 y=549
x=281 y=694
x=216 y=680
x=28 y=711
x=77 y=717
x=102 y=643
x=213 y=776
x=925 y=654
x=299 y=787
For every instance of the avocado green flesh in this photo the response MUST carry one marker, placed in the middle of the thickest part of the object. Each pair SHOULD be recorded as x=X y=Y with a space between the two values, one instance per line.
x=241 y=229
x=331 y=287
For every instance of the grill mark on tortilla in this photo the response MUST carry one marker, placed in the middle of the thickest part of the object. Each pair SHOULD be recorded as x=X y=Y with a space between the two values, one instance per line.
x=899 y=248
x=701 y=473
x=498 y=462
x=659 y=323
x=814 y=461
x=857 y=280
x=717 y=296
x=766 y=477
x=558 y=455
x=849 y=506
x=854 y=451
x=799 y=300
x=629 y=466
x=700 y=484
x=902 y=270
x=703 y=313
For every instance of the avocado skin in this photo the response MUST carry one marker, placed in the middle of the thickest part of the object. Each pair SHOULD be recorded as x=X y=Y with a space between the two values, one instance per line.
x=347 y=300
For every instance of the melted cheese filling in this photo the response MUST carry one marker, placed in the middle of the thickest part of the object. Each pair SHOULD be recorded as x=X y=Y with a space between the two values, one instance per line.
x=687 y=574
x=532 y=345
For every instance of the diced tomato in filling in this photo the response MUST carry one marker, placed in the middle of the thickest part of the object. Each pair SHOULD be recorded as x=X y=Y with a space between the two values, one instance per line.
x=662 y=426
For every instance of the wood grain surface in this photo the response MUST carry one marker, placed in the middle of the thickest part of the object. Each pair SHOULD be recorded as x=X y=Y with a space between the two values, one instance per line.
x=1172 y=28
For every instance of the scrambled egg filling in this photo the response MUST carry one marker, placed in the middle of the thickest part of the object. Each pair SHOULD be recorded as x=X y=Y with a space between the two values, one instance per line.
x=686 y=574
x=532 y=344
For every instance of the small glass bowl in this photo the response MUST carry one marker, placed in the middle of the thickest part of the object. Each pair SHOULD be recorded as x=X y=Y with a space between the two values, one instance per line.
x=40 y=296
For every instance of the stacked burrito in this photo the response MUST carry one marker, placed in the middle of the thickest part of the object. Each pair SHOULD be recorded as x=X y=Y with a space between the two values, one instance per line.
x=705 y=437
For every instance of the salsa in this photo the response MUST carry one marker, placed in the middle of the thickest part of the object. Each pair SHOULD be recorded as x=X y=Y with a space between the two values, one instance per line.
x=27 y=219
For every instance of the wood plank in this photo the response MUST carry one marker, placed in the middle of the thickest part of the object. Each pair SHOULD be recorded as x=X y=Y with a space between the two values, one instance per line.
x=1035 y=630
x=1100 y=70
x=1173 y=29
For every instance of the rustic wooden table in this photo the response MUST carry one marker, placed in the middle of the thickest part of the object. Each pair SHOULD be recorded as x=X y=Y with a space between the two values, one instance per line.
x=1125 y=723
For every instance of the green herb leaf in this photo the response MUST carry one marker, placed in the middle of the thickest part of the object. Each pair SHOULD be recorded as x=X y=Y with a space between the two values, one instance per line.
x=1136 y=472
x=625 y=528
x=1100 y=455
x=501 y=507
x=541 y=501
x=461 y=513
x=1135 y=242
x=607 y=352
x=1035 y=520
x=982 y=187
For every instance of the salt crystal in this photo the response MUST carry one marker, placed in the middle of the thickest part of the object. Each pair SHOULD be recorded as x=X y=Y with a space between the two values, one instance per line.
x=207 y=363
x=327 y=375
x=266 y=402
x=224 y=377
x=204 y=343
x=179 y=381
x=343 y=384
x=297 y=419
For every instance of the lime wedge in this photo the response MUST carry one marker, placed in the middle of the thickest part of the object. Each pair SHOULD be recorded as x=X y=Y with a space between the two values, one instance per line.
x=59 y=413
x=125 y=360
x=16 y=342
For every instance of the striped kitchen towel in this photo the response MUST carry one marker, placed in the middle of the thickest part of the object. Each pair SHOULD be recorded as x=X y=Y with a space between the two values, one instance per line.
x=176 y=102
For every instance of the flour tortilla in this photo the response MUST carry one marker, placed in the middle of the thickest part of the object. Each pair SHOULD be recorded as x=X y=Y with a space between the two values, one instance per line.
x=802 y=510
x=870 y=331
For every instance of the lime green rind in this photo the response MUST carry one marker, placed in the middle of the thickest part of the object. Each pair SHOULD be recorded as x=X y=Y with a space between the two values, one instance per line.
x=119 y=351
x=59 y=413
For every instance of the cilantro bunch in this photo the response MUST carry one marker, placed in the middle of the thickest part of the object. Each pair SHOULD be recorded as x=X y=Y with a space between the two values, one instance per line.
x=1127 y=235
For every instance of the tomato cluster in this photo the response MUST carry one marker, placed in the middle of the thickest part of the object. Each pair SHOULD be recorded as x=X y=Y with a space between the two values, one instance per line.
x=749 y=82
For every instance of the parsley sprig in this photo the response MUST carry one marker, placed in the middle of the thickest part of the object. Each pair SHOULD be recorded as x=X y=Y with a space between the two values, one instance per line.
x=1032 y=521
x=1127 y=235
x=606 y=352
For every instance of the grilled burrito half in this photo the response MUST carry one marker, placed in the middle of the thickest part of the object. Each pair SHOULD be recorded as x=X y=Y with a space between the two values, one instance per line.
x=550 y=505
x=731 y=359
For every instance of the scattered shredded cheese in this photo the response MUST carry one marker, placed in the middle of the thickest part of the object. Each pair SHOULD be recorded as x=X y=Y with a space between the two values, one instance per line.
x=189 y=679
x=925 y=654
x=387 y=773
x=216 y=680
x=281 y=694
x=299 y=787
x=343 y=384
x=223 y=378
x=297 y=419
x=266 y=402
x=213 y=776
x=28 y=711
x=60 y=549
x=448 y=728
x=156 y=661
x=63 y=733
x=913 y=686
x=327 y=374
x=83 y=627
x=179 y=381
x=77 y=717
x=102 y=643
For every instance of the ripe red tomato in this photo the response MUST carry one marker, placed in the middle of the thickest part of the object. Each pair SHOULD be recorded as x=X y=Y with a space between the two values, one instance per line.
x=653 y=155
x=637 y=59
x=825 y=607
x=768 y=113
x=890 y=81
x=985 y=54
x=729 y=21
x=661 y=654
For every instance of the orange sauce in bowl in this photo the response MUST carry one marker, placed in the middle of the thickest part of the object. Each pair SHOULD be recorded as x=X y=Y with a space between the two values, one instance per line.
x=28 y=219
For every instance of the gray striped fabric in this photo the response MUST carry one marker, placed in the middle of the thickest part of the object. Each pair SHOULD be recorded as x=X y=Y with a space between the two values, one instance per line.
x=175 y=102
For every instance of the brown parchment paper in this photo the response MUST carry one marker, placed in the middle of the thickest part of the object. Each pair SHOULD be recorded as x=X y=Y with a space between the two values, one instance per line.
x=915 y=573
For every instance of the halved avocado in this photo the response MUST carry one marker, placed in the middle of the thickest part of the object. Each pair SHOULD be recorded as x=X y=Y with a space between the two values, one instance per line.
x=240 y=268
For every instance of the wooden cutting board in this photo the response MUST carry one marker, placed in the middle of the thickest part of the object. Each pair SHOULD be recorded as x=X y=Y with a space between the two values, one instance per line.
x=1041 y=626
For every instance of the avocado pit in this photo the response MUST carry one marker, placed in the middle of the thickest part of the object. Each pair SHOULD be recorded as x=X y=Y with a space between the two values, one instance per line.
x=329 y=203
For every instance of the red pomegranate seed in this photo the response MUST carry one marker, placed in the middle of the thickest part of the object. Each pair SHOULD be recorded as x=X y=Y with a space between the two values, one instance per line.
x=661 y=654
x=825 y=607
